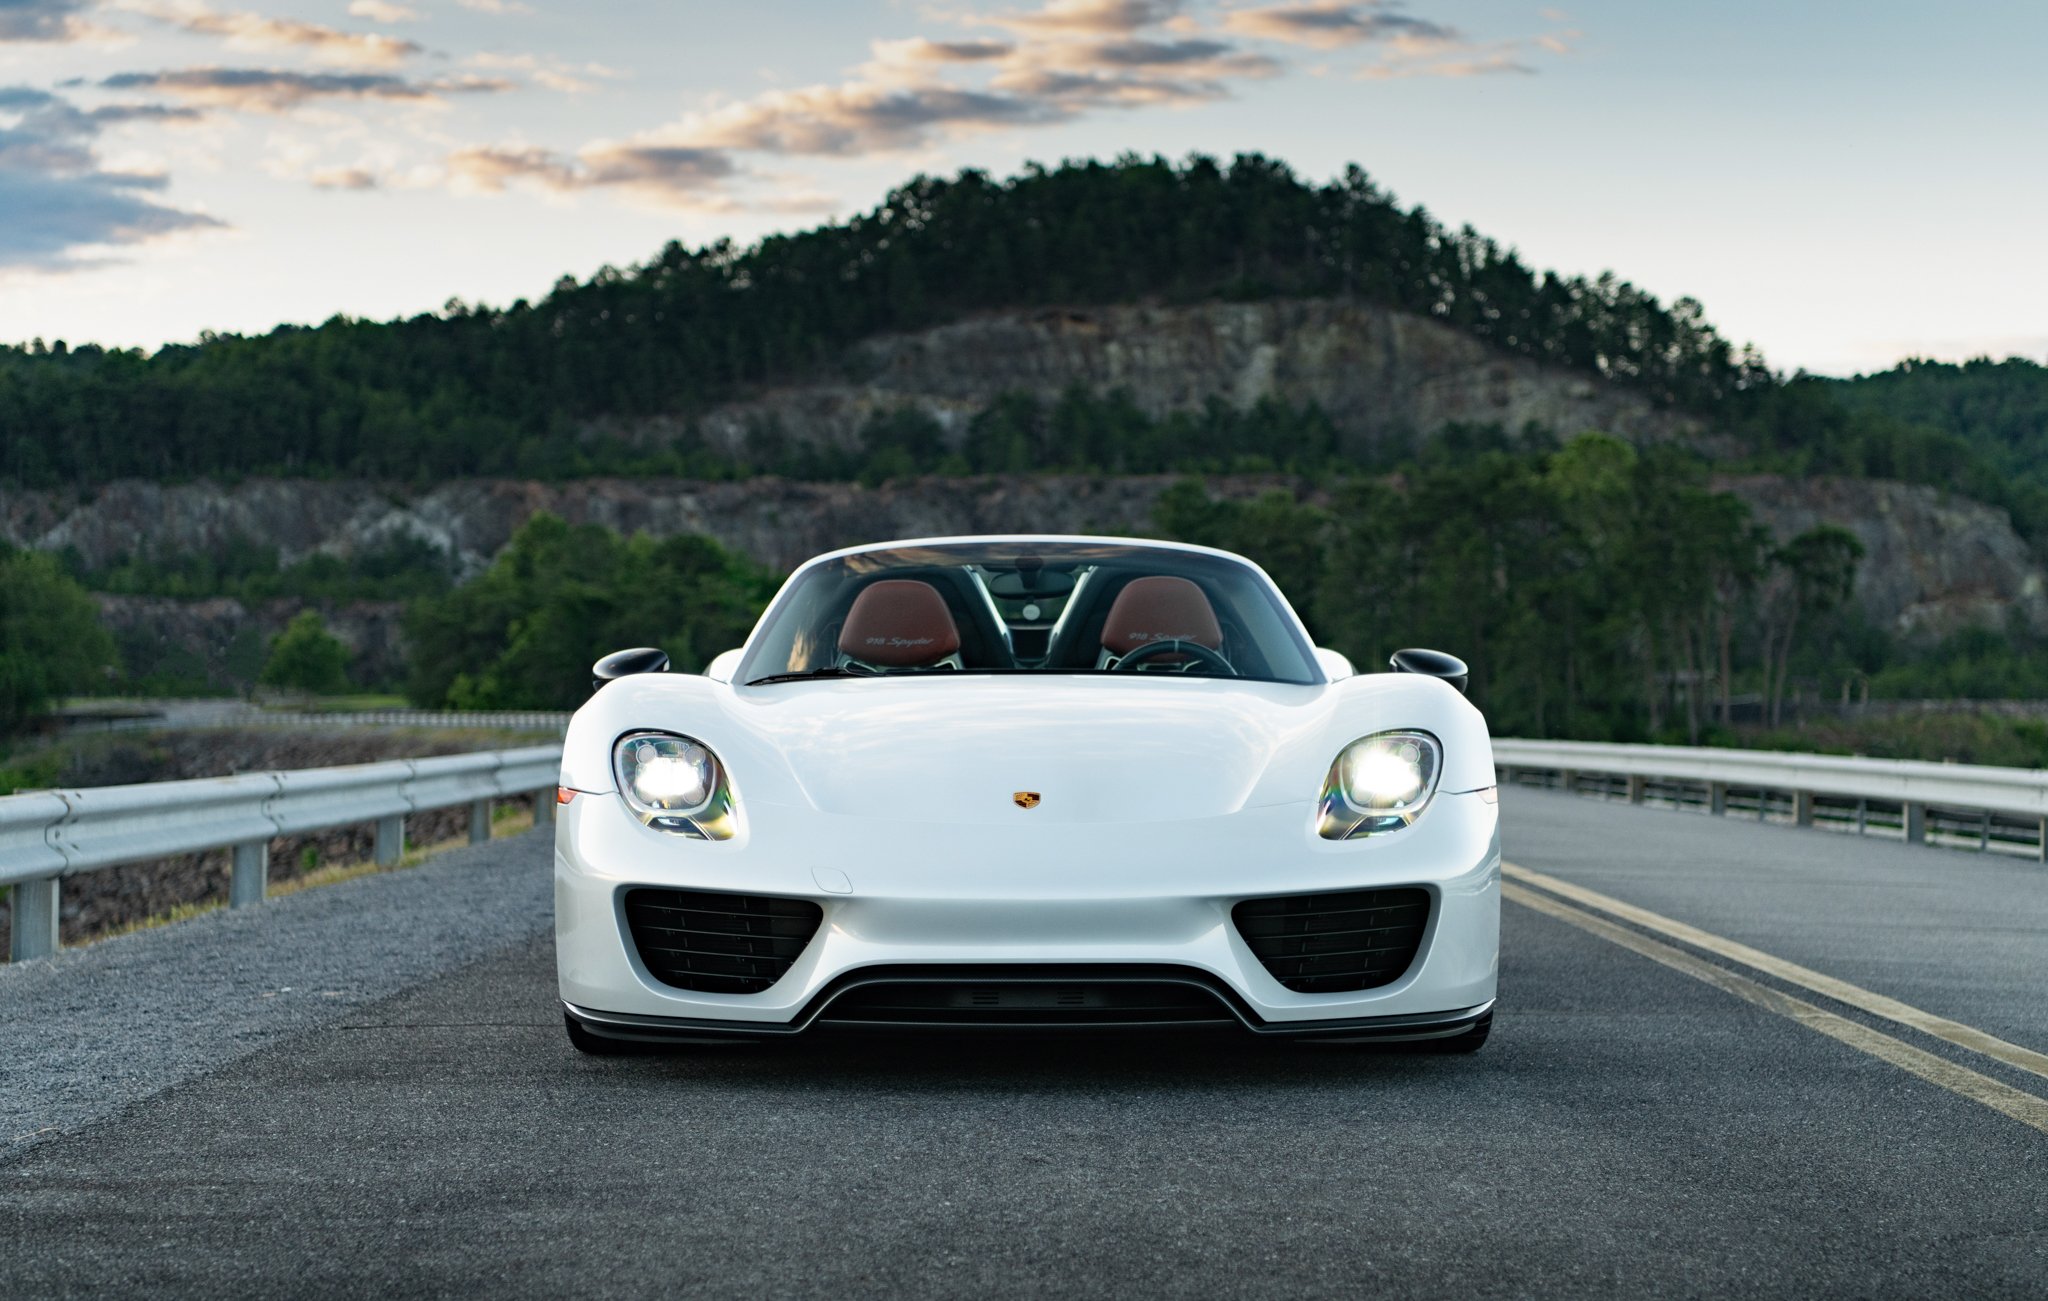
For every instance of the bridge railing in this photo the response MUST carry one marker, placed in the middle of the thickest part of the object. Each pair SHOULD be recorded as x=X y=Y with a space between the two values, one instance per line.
x=48 y=835
x=1965 y=805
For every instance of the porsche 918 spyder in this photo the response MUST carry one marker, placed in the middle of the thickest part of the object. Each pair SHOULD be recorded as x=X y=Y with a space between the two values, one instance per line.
x=1027 y=782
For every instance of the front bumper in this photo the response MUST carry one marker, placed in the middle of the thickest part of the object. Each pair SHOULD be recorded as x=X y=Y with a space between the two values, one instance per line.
x=1096 y=896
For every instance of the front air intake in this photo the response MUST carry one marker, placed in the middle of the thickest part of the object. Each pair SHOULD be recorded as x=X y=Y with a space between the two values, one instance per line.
x=1335 y=943
x=719 y=943
x=1043 y=997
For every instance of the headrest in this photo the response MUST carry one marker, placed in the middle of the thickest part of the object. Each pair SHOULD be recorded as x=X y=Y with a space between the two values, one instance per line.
x=899 y=623
x=1160 y=609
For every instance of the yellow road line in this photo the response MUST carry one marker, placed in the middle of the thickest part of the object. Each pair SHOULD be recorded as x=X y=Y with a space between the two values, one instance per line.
x=2003 y=1098
x=1863 y=1000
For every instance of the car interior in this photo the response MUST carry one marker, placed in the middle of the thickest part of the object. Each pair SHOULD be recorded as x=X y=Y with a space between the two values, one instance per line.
x=1094 y=617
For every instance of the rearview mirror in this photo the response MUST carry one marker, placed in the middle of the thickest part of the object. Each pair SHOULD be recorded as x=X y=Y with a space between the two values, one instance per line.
x=625 y=663
x=1432 y=663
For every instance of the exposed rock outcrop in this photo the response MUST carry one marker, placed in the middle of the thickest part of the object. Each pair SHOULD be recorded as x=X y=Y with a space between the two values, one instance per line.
x=1934 y=563
x=1380 y=374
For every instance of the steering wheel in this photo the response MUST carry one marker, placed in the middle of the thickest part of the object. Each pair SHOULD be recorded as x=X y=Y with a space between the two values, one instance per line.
x=1174 y=646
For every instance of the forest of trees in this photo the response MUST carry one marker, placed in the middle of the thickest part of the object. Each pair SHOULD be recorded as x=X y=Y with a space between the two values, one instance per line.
x=527 y=389
x=523 y=634
x=1598 y=591
x=51 y=641
x=479 y=390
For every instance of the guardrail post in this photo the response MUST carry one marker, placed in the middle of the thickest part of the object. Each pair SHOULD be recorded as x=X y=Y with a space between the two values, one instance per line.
x=1717 y=798
x=2041 y=850
x=251 y=879
x=1638 y=788
x=1915 y=816
x=1569 y=780
x=479 y=821
x=35 y=919
x=544 y=807
x=390 y=840
x=1802 y=808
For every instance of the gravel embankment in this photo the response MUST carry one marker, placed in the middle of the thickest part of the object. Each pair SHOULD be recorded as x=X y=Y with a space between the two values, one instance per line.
x=94 y=1029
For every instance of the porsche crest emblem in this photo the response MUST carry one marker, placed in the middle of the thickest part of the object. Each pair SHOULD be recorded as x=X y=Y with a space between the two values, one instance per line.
x=1026 y=799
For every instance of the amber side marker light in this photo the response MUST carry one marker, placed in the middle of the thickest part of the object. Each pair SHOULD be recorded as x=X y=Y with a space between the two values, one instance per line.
x=563 y=795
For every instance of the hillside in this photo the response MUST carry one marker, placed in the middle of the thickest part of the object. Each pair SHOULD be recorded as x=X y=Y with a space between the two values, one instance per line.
x=1932 y=565
x=1998 y=408
x=1589 y=492
x=531 y=389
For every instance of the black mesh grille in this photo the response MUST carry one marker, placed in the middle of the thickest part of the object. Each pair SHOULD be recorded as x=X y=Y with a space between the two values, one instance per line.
x=719 y=943
x=1080 y=1001
x=1332 y=943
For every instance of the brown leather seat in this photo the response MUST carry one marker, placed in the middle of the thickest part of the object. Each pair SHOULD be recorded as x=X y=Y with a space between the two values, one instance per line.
x=1160 y=608
x=899 y=623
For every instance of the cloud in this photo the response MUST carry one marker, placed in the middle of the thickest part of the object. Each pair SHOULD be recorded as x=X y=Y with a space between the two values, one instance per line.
x=256 y=32
x=918 y=59
x=1068 y=77
x=271 y=90
x=60 y=200
x=345 y=178
x=859 y=117
x=554 y=74
x=920 y=50
x=43 y=20
x=900 y=103
x=382 y=11
x=676 y=173
x=496 y=6
x=1092 y=17
x=1489 y=66
x=1058 y=62
x=1327 y=24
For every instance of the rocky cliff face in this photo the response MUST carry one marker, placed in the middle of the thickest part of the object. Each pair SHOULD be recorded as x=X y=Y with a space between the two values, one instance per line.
x=1380 y=374
x=1933 y=563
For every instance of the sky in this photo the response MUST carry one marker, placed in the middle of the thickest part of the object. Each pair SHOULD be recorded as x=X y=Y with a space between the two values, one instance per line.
x=1842 y=185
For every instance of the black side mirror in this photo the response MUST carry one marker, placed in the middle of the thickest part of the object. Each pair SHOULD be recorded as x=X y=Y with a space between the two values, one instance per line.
x=625 y=663
x=1433 y=663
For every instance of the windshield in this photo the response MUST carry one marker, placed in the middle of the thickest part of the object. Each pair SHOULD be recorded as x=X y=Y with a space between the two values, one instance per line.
x=1031 y=607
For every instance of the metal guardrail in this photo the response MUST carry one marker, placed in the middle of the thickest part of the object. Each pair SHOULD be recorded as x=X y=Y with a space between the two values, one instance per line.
x=2003 y=809
x=531 y=720
x=48 y=835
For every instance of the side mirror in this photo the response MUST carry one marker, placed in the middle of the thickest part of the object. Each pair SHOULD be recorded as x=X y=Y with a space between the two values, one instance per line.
x=1336 y=667
x=1433 y=664
x=625 y=663
x=723 y=665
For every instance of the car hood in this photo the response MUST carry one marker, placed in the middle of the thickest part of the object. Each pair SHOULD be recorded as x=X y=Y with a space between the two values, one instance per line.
x=1090 y=749
x=961 y=748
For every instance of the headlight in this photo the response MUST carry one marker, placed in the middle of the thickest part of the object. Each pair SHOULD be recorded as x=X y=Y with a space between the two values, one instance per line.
x=1379 y=783
x=674 y=783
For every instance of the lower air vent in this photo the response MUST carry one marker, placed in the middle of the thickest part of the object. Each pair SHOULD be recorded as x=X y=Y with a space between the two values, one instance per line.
x=1335 y=943
x=719 y=943
x=1081 y=1001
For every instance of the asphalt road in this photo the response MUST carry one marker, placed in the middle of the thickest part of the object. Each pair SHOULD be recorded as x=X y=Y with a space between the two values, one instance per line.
x=1630 y=1130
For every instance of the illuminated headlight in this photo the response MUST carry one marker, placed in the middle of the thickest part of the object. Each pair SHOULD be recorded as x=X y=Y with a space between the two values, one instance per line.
x=1379 y=783
x=674 y=783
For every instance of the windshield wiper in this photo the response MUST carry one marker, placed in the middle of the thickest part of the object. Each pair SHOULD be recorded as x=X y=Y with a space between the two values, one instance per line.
x=808 y=674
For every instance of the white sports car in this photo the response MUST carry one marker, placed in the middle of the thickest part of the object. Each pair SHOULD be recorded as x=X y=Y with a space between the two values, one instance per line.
x=1046 y=782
